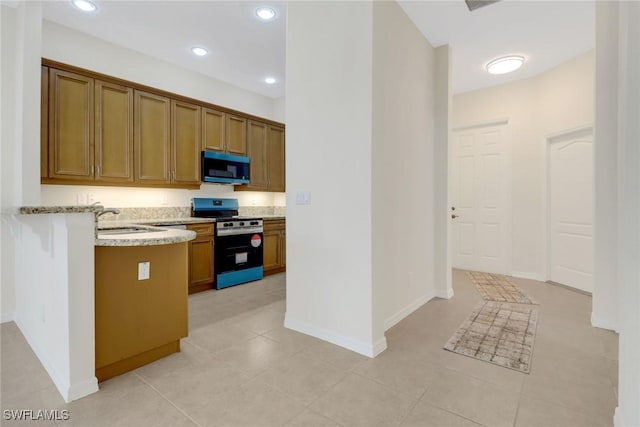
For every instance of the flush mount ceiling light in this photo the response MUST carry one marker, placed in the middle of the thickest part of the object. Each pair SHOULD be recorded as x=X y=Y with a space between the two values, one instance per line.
x=269 y=80
x=505 y=64
x=199 y=51
x=266 y=13
x=84 y=5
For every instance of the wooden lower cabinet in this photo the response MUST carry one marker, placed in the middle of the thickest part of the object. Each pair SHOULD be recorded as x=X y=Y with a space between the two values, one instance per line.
x=138 y=321
x=275 y=240
x=201 y=258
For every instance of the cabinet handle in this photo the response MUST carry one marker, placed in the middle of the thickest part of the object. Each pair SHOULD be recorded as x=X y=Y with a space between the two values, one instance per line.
x=91 y=169
x=98 y=170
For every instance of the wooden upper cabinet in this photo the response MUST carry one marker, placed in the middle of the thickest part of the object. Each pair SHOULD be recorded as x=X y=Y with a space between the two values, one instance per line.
x=152 y=138
x=257 y=152
x=70 y=126
x=44 y=122
x=113 y=132
x=213 y=123
x=265 y=148
x=185 y=142
x=276 y=159
x=99 y=130
x=236 y=135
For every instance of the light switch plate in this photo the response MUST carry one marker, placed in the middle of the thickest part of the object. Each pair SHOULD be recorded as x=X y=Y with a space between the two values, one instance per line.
x=303 y=198
x=144 y=270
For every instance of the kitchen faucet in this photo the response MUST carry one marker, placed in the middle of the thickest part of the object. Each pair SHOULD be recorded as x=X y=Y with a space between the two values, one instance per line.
x=108 y=210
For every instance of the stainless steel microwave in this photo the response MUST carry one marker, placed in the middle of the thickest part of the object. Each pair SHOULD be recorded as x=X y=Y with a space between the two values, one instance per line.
x=224 y=168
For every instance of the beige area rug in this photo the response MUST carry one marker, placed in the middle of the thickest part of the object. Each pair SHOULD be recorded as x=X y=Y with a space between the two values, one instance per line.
x=496 y=287
x=499 y=333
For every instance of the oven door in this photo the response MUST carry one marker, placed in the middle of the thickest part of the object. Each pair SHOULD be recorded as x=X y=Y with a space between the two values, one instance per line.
x=238 y=259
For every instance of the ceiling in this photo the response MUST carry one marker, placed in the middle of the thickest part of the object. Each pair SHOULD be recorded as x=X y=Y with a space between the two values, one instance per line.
x=546 y=33
x=244 y=50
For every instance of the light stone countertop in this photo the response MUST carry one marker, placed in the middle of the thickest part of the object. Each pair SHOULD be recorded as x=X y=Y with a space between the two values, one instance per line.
x=38 y=210
x=154 y=236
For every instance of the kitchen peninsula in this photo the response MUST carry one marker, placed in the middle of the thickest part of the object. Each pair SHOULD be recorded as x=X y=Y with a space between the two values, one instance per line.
x=141 y=279
x=55 y=304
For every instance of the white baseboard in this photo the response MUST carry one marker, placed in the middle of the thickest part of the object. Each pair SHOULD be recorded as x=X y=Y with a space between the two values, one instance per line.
x=618 y=421
x=8 y=317
x=447 y=294
x=599 y=322
x=82 y=389
x=361 y=347
x=525 y=275
x=68 y=391
x=397 y=317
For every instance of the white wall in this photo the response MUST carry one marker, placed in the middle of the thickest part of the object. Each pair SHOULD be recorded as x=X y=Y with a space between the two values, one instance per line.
x=329 y=125
x=8 y=154
x=403 y=144
x=75 y=48
x=279 y=106
x=618 y=27
x=605 y=292
x=555 y=101
x=55 y=299
x=72 y=47
x=21 y=29
x=47 y=260
x=361 y=116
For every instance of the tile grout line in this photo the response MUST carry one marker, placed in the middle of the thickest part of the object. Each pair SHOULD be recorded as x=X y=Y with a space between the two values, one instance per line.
x=168 y=400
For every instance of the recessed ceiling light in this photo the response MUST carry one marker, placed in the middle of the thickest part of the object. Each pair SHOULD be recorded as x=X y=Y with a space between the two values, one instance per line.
x=199 y=51
x=84 y=5
x=266 y=13
x=269 y=80
x=505 y=64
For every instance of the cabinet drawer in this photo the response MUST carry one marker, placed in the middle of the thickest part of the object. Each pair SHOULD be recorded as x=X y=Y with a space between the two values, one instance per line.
x=274 y=224
x=205 y=229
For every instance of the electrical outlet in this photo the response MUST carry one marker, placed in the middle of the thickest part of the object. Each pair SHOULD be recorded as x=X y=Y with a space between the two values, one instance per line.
x=90 y=198
x=144 y=270
x=81 y=198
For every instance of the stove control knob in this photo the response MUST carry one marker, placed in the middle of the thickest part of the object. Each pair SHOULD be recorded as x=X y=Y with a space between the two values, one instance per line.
x=227 y=224
x=254 y=222
x=241 y=224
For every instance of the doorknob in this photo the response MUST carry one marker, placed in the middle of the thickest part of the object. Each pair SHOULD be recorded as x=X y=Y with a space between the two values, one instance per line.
x=453 y=216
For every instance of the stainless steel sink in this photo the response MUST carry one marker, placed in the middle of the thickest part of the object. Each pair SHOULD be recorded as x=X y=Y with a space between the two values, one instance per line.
x=125 y=230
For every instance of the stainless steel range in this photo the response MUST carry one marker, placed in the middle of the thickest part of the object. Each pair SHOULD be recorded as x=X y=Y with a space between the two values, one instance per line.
x=238 y=247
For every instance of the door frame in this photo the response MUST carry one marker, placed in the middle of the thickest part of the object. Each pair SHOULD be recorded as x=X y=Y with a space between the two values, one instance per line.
x=508 y=196
x=564 y=135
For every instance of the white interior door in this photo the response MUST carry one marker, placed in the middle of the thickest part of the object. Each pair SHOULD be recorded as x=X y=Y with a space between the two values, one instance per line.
x=570 y=202
x=480 y=187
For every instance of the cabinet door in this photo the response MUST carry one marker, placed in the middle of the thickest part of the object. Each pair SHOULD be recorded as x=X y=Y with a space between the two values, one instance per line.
x=257 y=152
x=152 y=138
x=213 y=123
x=200 y=262
x=113 y=132
x=70 y=126
x=275 y=159
x=185 y=143
x=236 y=135
x=271 y=250
x=44 y=122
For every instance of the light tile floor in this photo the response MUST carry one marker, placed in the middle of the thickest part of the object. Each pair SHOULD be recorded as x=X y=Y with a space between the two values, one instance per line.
x=241 y=367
